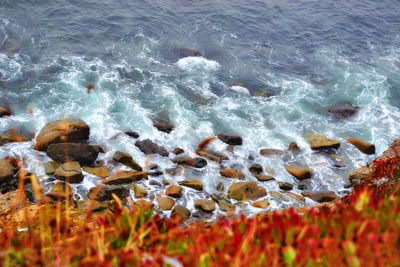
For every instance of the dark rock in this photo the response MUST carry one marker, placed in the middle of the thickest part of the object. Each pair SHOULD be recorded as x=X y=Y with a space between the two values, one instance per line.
x=321 y=196
x=220 y=187
x=342 y=110
x=70 y=172
x=294 y=147
x=163 y=126
x=246 y=191
x=174 y=171
x=194 y=162
x=212 y=155
x=14 y=135
x=153 y=166
x=256 y=169
x=285 y=186
x=132 y=134
x=251 y=157
x=148 y=147
x=104 y=192
x=363 y=146
x=6 y=170
x=64 y=152
x=230 y=139
x=188 y=53
x=178 y=151
x=61 y=131
x=205 y=205
x=124 y=177
x=154 y=182
x=174 y=191
x=127 y=160
x=302 y=186
x=4 y=112
x=155 y=173
x=192 y=184
x=272 y=152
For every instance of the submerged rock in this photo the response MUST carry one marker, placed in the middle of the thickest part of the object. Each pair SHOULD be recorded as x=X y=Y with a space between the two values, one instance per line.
x=10 y=47
x=14 y=135
x=192 y=184
x=194 y=162
x=205 y=205
x=4 y=112
x=64 y=152
x=232 y=173
x=188 y=53
x=148 y=147
x=62 y=131
x=300 y=173
x=132 y=134
x=361 y=145
x=342 y=110
x=104 y=192
x=70 y=172
x=272 y=152
x=321 y=196
x=127 y=160
x=124 y=177
x=163 y=126
x=246 y=191
x=165 y=203
x=230 y=139
x=321 y=142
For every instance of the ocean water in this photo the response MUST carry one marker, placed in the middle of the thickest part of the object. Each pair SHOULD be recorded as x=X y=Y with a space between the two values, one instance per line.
x=307 y=54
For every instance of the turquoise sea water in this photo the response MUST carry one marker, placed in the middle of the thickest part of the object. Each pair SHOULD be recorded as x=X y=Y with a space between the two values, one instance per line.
x=307 y=54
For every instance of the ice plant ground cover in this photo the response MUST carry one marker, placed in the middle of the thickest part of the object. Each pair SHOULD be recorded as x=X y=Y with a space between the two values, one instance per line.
x=362 y=229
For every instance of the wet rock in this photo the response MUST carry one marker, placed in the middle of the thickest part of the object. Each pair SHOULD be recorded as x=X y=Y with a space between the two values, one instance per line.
x=166 y=181
x=139 y=192
x=223 y=202
x=60 y=131
x=321 y=196
x=230 y=139
x=153 y=166
x=102 y=172
x=132 y=134
x=262 y=204
x=70 y=172
x=174 y=191
x=361 y=145
x=4 y=112
x=361 y=175
x=192 y=184
x=286 y=196
x=63 y=152
x=294 y=147
x=321 y=142
x=348 y=185
x=51 y=167
x=272 y=152
x=263 y=177
x=299 y=172
x=10 y=47
x=251 y=157
x=14 y=135
x=144 y=204
x=163 y=126
x=104 y=192
x=124 y=177
x=205 y=205
x=246 y=191
x=60 y=191
x=342 y=110
x=285 y=186
x=155 y=173
x=194 y=162
x=181 y=211
x=220 y=187
x=127 y=160
x=155 y=183
x=148 y=147
x=339 y=165
x=212 y=155
x=188 y=53
x=6 y=170
x=96 y=206
x=256 y=169
x=263 y=94
x=232 y=173
x=178 y=151
x=165 y=203
x=302 y=186
x=174 y=171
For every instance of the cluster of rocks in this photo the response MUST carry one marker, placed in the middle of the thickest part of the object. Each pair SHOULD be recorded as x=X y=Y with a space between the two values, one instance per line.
x=66 y=142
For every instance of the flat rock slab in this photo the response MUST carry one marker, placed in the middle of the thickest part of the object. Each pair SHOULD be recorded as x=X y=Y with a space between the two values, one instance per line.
x=232 y=173
x=85 y=154
x=62 y=131
x=193 y=162
x=212 y=155
x=266 y=152
x=321 y=142
x=300 y=173
x=321 y=196
x=14 y=135
x=102 y=172
x=361 y=145
x=231 y=139
x=148 y=147
x=192 y=184
x=264 y=177
x=246 y=191
x=124 y=177
x=104 y=192
x=127 y=160
x=70 y=172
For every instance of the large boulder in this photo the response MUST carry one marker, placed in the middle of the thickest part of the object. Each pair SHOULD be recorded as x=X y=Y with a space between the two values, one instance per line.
x=246 y=191
x=85 y=154
x=148 y=147
x=361 y=175
x=193 y=162
x=127 y=160
x=300 y=173
x=14 y=135
x=4 y=112
x=163 y=126
x=361 y=145
x=6 y=170
x=321 y=142
x=70 y=172
x=342 y=110
x=124 y=177
x=62 y=131
x=230 y=139
x=104 y=192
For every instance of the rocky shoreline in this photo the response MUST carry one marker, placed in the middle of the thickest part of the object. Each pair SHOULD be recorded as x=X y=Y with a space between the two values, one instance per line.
x=66 y=142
